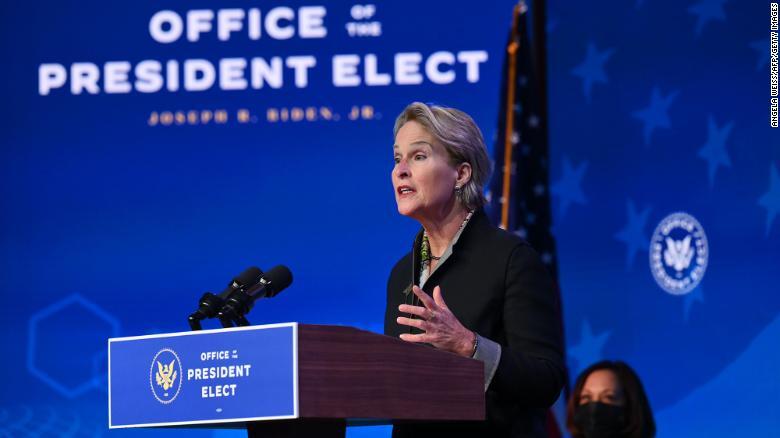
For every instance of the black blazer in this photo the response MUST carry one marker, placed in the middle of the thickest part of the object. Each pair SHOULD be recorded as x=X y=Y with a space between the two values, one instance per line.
x=495 y=285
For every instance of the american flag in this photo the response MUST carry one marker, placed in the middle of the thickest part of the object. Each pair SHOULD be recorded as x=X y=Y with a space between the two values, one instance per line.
x=519 y=192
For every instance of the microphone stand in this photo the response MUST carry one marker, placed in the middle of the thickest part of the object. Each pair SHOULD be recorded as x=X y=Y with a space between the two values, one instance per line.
x=226 y=322
x=240 y=321
x=194 y=322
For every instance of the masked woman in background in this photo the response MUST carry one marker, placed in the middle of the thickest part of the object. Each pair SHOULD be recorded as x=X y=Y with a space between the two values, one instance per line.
x=609 y=401
x=467 y=286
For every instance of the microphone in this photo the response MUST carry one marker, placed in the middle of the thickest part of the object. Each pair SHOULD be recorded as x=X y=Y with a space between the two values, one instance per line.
x=241 y=301
x=209 y=304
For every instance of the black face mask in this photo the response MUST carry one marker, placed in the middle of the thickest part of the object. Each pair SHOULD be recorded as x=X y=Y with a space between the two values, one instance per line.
x=599 y=420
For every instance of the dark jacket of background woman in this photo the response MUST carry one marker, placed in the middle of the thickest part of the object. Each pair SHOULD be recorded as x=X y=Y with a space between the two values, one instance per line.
x=495 y=285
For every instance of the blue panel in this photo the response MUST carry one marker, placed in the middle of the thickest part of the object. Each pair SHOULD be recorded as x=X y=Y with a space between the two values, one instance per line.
x=203 y=377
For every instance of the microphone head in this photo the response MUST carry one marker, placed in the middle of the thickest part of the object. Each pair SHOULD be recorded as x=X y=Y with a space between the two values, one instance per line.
x=277 y=279
x=250 y=277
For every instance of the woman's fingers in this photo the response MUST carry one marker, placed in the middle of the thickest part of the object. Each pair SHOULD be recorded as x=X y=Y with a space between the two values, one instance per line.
x=415 y=338
x=425 y=298
x=438 y=298
x=419 y=323
x=440 y=326
x=420 y=311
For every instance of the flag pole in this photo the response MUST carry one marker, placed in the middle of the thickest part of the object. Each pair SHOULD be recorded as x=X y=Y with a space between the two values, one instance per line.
x=511 y=49
x=539 y=15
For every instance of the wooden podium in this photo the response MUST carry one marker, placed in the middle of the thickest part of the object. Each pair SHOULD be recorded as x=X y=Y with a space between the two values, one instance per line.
x=351 y=376
x=341 y=375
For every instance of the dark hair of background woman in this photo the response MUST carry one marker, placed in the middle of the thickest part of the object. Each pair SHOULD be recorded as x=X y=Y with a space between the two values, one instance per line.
x=639 y=416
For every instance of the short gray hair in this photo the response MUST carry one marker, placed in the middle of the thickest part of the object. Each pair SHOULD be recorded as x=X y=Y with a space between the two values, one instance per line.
x=461 y=138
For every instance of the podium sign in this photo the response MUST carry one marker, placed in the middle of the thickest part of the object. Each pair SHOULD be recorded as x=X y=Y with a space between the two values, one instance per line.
x=210 y=376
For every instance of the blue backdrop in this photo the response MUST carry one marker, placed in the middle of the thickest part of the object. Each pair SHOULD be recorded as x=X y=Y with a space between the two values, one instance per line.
x=122 y=206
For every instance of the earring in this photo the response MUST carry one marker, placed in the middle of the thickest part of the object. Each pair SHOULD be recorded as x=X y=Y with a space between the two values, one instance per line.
x=457 y=190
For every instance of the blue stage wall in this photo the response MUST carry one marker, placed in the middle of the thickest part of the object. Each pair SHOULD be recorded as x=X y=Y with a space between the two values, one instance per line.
x=123 y=201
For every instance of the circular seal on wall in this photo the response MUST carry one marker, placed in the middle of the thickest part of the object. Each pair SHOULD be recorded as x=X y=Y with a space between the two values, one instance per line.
x=678 y=253
x=165 y=376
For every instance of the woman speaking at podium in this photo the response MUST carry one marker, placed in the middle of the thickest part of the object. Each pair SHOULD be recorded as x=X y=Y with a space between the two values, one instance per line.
x=467 y=286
